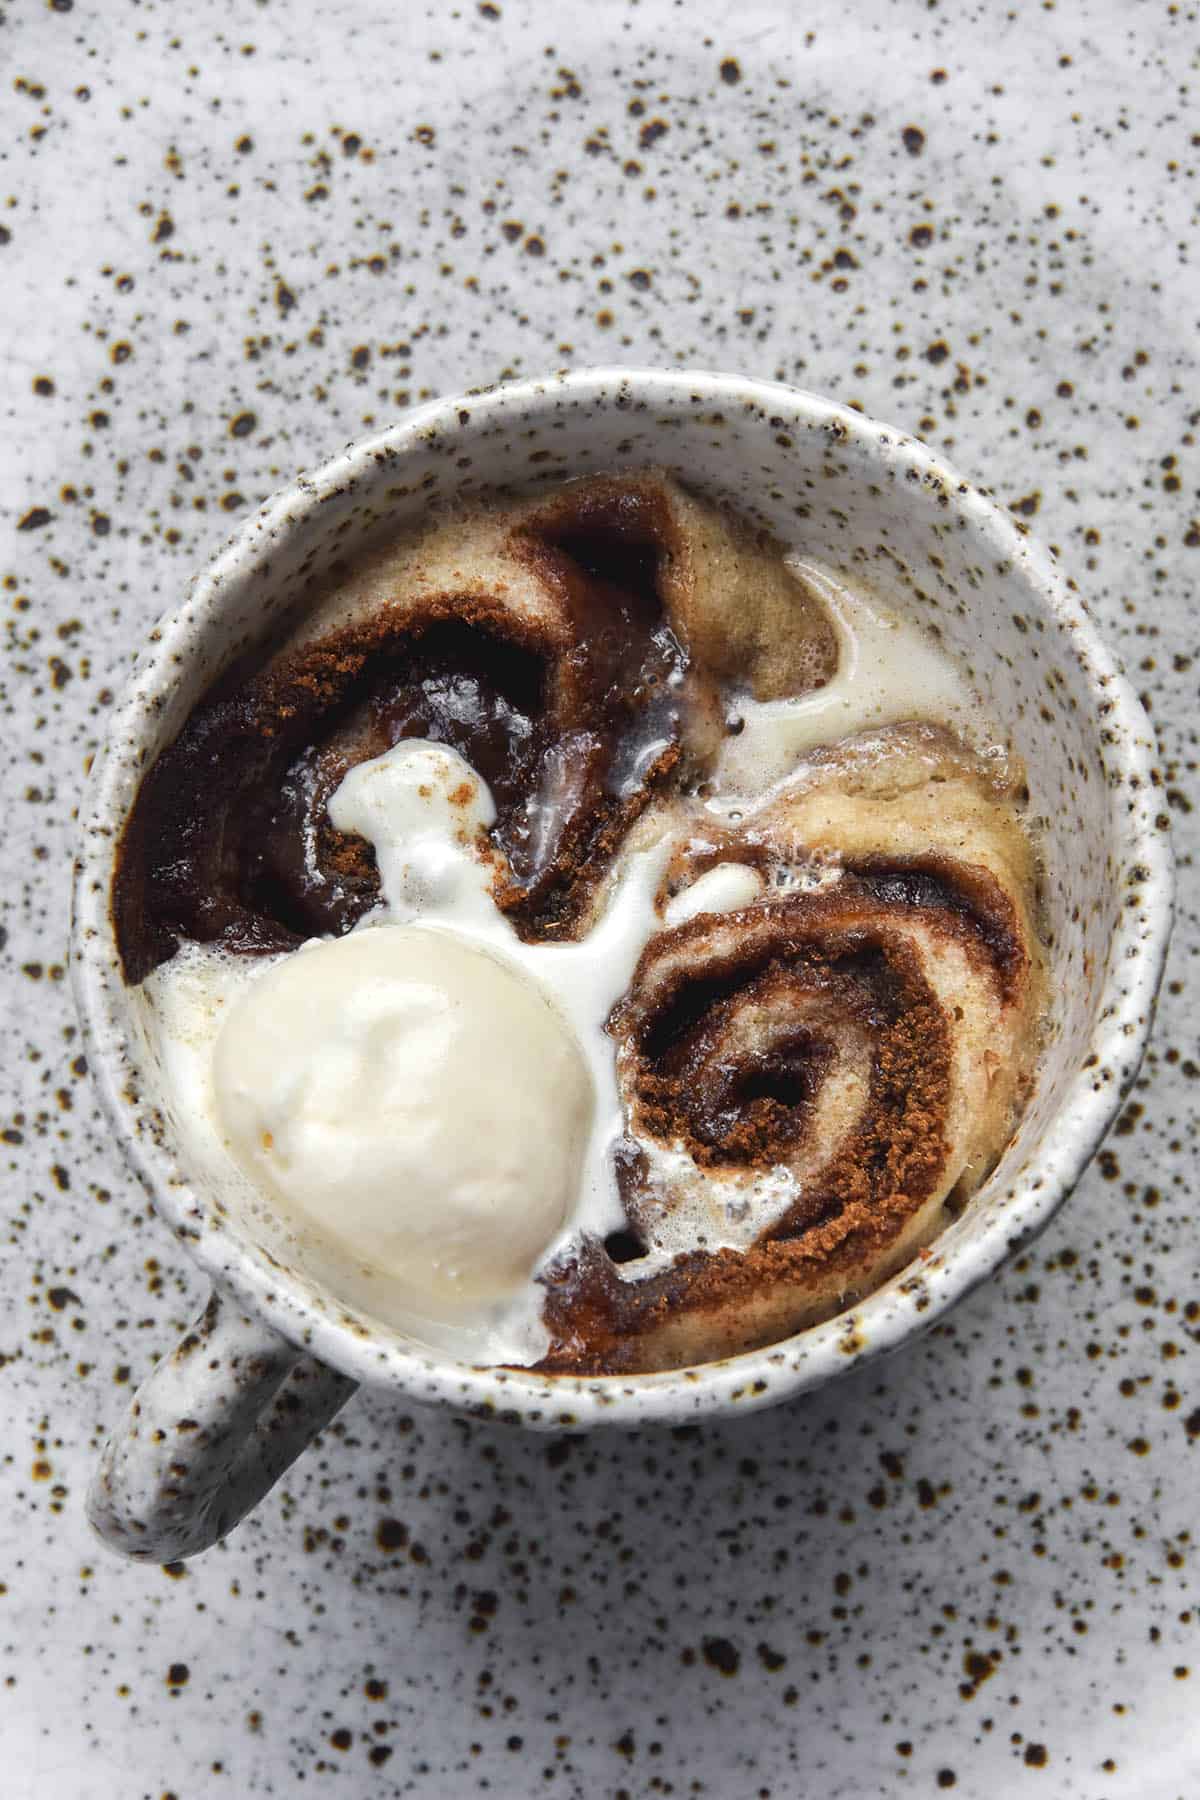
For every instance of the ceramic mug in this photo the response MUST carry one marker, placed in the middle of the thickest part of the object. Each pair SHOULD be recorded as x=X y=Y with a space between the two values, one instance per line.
x=274 y=1356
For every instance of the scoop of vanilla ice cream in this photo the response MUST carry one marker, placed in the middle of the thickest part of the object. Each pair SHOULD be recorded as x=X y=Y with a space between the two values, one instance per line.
x=414 y=1100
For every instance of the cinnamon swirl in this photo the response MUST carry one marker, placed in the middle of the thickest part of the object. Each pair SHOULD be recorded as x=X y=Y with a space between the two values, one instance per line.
x=569 y=648
x=811 y=1080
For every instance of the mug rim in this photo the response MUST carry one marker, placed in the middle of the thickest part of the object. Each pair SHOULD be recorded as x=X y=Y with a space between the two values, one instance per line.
x=882 y=1320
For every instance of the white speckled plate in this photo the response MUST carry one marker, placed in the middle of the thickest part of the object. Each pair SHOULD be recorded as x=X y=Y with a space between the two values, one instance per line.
x=235 y=235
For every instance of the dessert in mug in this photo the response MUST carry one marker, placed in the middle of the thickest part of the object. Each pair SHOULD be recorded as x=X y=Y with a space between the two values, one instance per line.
x=603 y=939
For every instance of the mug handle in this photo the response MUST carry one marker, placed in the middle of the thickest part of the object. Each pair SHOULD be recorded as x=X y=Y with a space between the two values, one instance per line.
x=207 y=1434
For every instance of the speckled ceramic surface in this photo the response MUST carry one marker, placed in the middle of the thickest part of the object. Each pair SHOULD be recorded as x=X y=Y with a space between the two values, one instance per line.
x=231 y=240
x=857 y=495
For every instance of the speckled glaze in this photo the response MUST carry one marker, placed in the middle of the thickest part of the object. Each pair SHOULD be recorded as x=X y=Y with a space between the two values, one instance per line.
x=210 y=1431
x=857 y=495
x=231 y=240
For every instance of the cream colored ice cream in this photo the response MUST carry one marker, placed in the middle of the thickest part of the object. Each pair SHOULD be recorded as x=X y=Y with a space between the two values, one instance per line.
x=413 y=1098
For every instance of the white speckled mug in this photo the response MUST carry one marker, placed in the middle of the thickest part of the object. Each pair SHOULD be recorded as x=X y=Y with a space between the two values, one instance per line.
x=274 y=1356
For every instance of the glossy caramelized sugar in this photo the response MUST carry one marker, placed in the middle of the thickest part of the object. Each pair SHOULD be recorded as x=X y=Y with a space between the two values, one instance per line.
x=860 y=1037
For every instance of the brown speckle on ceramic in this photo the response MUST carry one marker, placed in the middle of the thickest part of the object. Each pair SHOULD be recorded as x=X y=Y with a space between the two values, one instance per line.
x=971 y=1503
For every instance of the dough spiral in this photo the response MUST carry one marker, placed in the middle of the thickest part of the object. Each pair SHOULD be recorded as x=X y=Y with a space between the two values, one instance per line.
x=812 y=1079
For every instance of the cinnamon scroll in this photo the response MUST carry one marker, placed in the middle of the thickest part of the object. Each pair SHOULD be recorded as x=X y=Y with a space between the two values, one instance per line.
x=573 y=649
x=812 y=1081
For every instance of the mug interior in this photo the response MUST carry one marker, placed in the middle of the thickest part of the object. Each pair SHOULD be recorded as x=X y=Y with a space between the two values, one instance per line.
x=864 y=500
